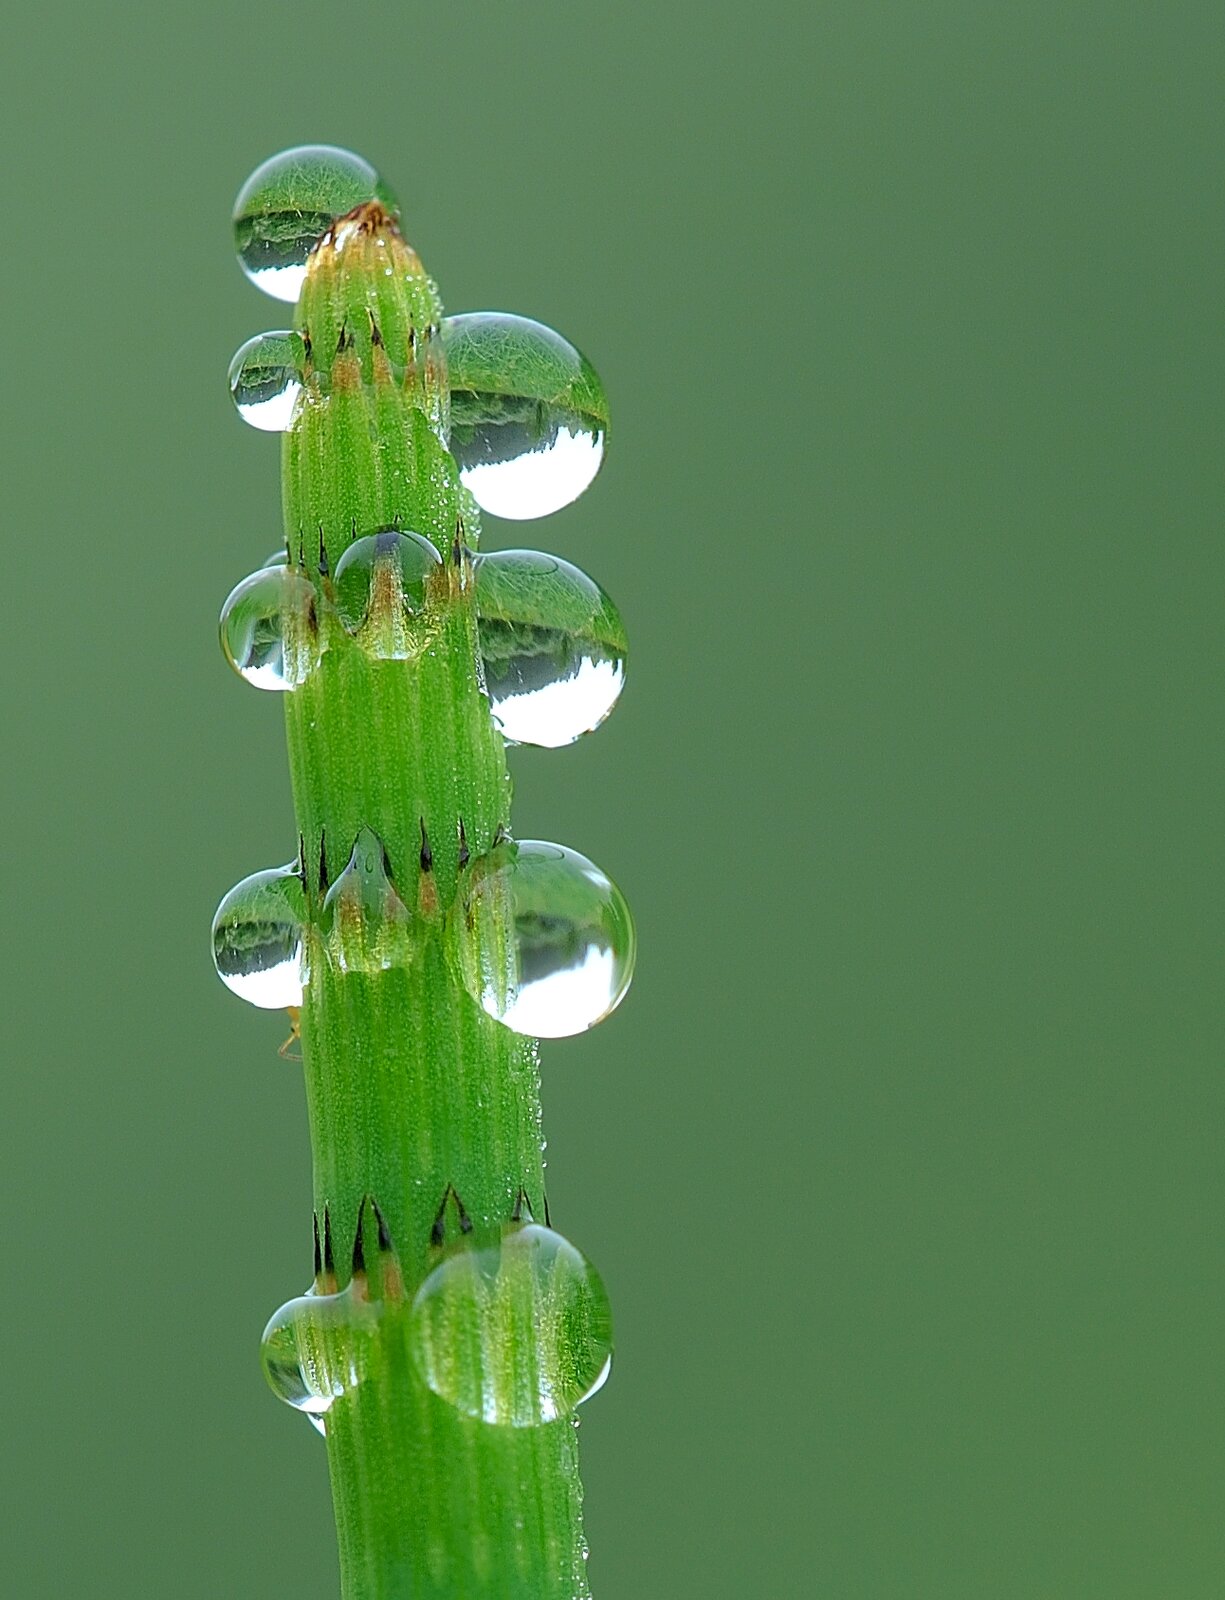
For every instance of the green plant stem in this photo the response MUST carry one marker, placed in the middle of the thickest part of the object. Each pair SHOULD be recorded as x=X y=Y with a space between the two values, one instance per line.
x=410 y=1086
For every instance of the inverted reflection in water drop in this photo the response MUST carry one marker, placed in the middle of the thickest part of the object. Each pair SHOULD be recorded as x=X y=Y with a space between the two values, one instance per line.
x=543 y=939
x=547 y=474
x=265 y=379
x=270 y=628
x=552 y=645
x=258 y=938
x=529 y=416
x=289 y=202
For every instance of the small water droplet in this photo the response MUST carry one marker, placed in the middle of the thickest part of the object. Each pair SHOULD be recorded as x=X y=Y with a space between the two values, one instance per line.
x=381 y=583
x=257 y=938
x=552 y=644
x=315 y=1349
x=270 y=628
x=266 y=380
x=289 y=202
x=528 y=413
x=515 y=1333
x=367 y=925
x=544 y=941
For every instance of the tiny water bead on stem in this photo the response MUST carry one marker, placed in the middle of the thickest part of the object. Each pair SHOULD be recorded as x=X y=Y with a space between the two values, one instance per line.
x=419 y=950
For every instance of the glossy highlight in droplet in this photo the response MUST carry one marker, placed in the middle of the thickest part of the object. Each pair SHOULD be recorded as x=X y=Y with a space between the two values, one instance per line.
x=514 y=1333
x=270 y=628
x=552 y=645
x=257 y=935
x=287 y=205
x=543 y=940
x=529 y=417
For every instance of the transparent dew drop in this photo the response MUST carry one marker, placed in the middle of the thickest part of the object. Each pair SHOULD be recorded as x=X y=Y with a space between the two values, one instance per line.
x=367 y=926
x=270 y=628
x=289 y=203
x=316 y=1349
x=528 y=413
x=552 y=644
x=543 y=940
x=258 y=938
x=381 y=585
x=514 y=1333
x=266 y=379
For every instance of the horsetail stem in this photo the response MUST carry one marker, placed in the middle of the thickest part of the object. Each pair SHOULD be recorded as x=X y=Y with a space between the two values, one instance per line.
x=448 y=1331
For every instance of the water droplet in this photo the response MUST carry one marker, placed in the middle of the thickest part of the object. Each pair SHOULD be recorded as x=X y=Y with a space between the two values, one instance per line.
x=381 y=593
x=528 y=413
x=288 y=204
x=257 y=938
x=270 y=628
x=552 y=644
x=266 y=379
x=315 y=1349
x=543 y=940
x=515 y=1333
x=367 y=926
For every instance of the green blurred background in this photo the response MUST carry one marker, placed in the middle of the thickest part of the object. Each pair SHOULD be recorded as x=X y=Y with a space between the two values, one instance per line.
x=902 y=1161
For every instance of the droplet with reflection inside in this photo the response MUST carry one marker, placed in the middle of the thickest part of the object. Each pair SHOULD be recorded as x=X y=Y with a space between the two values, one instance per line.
x=552 y=644
x=270 y=628
x=266 y=379
x=515 y=1333
x=529 y=416
x=287 y=205
x=367 y=926
x=543 y=940
x=315 y=1349
x=381 y=586
x=258 y=938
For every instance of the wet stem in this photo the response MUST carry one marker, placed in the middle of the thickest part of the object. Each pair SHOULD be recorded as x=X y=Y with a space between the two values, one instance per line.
x=414 y=1093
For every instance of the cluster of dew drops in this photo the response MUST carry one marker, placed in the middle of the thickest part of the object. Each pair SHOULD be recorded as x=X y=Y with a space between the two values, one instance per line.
x=527 y=429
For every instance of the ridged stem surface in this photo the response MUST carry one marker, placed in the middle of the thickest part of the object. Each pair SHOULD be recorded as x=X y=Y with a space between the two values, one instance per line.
x=411 y=1087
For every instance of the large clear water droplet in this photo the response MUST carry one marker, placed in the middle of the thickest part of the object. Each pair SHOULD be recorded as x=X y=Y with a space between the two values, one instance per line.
x=315 y=1349
x=266 y=379
x=288 y=204
x=270 y=628
x=258 y=938
x=552 y=644
x=528 y=413
x=544 y=941
x=515 y=1333
x=381 y=593
x=367 y=926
